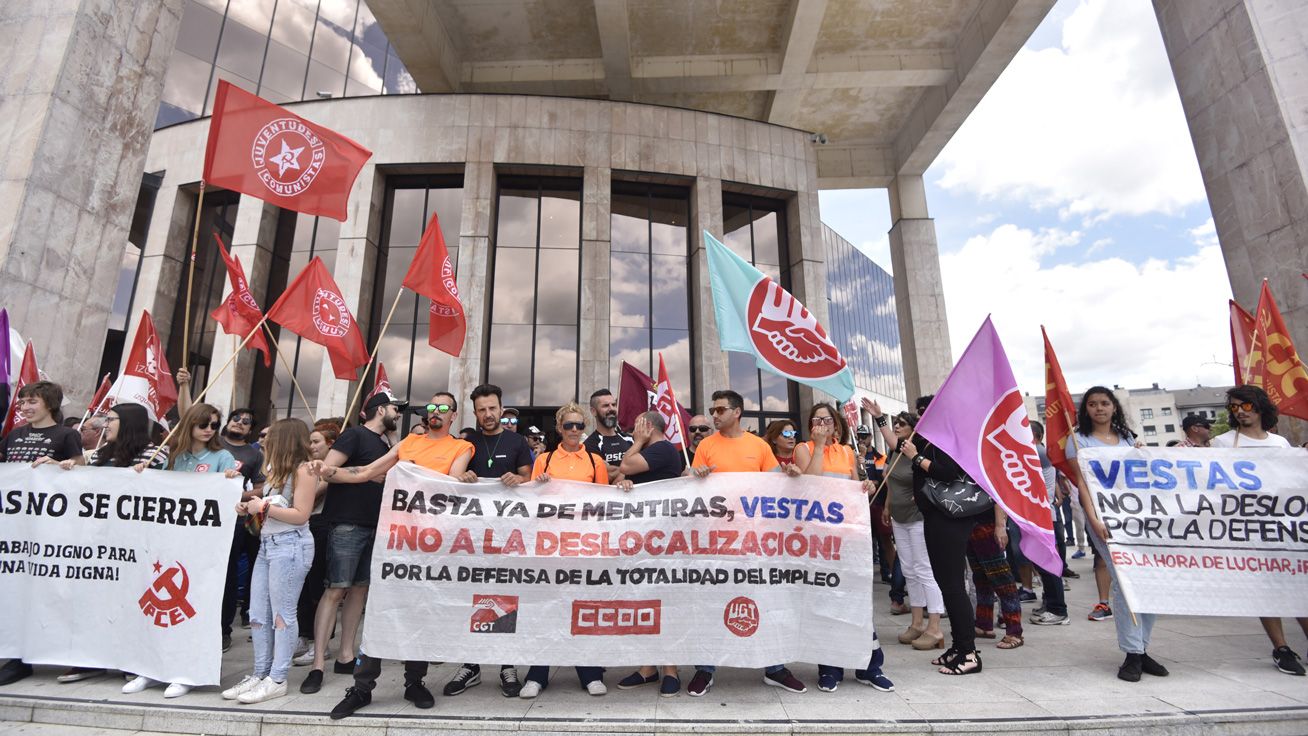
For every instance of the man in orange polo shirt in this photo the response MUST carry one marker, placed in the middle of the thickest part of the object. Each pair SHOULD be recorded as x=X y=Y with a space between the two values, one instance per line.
x=733 y=450
x=435 y=450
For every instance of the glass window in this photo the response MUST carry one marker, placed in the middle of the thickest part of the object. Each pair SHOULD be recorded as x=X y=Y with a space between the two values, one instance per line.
x=293 y=24
x=533 y=354
x=1167 y=411
x=323 y=81
x=184 y=85
x=331 y=41
x=198 y=33
x=284 y=72
x=241 y=49
x=398 y=79
x=1150 y=430
x=629 y=288
x=309 y=237
x=1146 y=413
x=1169 y=428
x=218 y=214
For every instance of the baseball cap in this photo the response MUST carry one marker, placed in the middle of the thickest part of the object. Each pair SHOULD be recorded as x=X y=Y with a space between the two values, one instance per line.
x=382 y=399
x=510 y=410
x=1193 y=419
x=533 y=429
x=863 y=430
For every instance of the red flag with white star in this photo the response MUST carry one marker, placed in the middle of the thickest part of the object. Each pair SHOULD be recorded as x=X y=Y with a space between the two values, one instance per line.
x=432 y=274
x=313 y=308
x=266 y=151
x=239 y=313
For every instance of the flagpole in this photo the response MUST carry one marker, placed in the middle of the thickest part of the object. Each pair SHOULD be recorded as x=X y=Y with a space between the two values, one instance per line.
x=299 y=391
x=232 y=398
x=190 y=277
x=87 y=413
x=212 y=379
x=349 y=410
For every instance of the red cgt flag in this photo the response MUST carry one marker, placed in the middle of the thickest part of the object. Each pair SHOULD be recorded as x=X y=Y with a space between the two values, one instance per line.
x=1273 y=364
x=665 y=403
x=313 y=308
x=239 y=314
x=1242 y=327
x=432 y=275
x=94 y=408
x=1060 y=420
x=26 y=374
x=265 y=151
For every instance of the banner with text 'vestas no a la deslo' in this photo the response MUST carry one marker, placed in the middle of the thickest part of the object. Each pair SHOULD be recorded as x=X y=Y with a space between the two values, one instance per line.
x=104 y=567
x=1208 y=532
x=742 y=569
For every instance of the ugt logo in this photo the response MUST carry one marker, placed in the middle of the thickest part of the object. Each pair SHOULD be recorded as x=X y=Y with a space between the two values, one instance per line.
x=494 y=614
x=165 y=599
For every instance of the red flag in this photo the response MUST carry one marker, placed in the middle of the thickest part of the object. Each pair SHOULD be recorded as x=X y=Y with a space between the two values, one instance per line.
x=239 y=314
x=26 y=374
x=1273 y=364
x=432 y=275
x=1242 y=327
x=665 y=403
x=94 y=408
x=146 y=380
x=265 y=151
x=852 y=417
x=380 y=384
x=636 y=394
x=313 y=308
x=1060 y=414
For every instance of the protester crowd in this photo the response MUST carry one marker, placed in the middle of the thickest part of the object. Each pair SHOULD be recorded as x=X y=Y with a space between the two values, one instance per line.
x=298 y=570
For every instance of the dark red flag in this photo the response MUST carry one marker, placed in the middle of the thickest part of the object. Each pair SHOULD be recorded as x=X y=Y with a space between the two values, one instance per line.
x=313 y=308
x=265 y=151
x=239 y=314
x=636 y=394
x=1274 y=365
x=26 y=374
x=432 y=275
x=1060 y=414
x=1242 y=327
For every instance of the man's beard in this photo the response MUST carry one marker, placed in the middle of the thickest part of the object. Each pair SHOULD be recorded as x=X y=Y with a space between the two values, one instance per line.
x=238 y=435
x=489 y=424
x=609 y=420
x=435 y=422
x=390 y=423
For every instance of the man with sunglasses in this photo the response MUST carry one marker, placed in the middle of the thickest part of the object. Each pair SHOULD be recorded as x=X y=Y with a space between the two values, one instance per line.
x=697 y=430
x=504 y=455
x=607 y=440
x=733 y=450
x=509 y=419
x=1252 y=415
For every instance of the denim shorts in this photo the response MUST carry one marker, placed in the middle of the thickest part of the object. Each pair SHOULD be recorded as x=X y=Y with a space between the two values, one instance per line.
x=349 y=555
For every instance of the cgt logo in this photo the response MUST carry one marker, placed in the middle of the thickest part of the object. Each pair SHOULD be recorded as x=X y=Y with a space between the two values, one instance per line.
x=616 y=618
x=494 y=614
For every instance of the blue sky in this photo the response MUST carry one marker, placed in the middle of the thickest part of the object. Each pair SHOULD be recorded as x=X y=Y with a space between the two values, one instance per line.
x=1071 y=197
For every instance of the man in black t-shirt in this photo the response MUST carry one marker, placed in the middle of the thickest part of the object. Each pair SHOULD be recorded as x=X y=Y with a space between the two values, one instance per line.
x=505 y=455
x=651 y=457
x=606 y=441
x=249 y=460
x=40 y=436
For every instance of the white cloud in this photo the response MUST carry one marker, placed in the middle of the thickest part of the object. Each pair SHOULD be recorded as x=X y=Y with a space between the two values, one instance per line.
x=1094 y=128
x=879 y=251
x=1111 y=321
x=1205 y=234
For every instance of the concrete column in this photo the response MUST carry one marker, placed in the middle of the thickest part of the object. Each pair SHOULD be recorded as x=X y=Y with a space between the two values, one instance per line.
x=355 y=273
x=475 y=277
x=80 y=84
x=161 y=276
x=252 y=243
x=1241 y=69
x=593 y=345
x=711 y=362
x=919 y=295
x=808 y=272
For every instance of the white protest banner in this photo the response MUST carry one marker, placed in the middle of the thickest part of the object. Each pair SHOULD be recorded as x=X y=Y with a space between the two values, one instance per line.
x=741 y=569
x=1205 y=532
x=105 y=567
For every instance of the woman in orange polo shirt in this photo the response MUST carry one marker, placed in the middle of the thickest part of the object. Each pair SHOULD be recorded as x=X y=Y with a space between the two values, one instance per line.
x=828 y=453
x=568 y=461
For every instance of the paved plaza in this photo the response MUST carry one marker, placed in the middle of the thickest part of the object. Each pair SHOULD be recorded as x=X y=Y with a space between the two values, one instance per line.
x=1062 y=681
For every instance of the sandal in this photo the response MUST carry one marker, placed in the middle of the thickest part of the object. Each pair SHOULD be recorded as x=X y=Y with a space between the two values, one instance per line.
x=1010 y=641
x=985 y=633
x=965 y=664
x=944 y=659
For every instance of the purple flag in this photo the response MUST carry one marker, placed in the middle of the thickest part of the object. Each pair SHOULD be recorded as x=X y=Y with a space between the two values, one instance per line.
x=979 y=420
x=4 y=360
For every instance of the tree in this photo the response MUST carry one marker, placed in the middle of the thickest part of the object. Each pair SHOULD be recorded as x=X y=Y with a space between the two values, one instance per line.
x=1222 y=424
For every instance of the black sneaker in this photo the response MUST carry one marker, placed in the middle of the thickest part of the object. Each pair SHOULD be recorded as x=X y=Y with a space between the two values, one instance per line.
x=783 y=679
x=510 y=685
x=699 y=684
x=1027 y=596
x=670 y=686
x=1284 y=657
x=343 y=668
x=635 y=680
x=354 y=699
x=1151 y=666
x=312 y=683
x=1131 y=668
x=13 y=671
x=227 y=642
x=467 y=676
x=418 y=694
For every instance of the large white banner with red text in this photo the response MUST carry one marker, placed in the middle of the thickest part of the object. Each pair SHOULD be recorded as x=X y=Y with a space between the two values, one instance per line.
x=1205 y=532
x=105 y=567
x=742 y=569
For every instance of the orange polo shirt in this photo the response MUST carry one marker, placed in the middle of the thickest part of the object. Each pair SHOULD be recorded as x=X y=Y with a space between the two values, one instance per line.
x=434 y=453
x=744 y=454
x=565 y=465
x=837 y=460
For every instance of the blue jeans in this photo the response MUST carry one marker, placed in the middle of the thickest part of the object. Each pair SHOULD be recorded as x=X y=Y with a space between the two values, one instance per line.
x=1132 y=632
x=279 y=571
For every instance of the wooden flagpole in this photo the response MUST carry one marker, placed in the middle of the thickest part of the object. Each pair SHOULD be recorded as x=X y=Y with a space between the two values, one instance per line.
x=190 y=278
x=349 y=410
x=299 y=391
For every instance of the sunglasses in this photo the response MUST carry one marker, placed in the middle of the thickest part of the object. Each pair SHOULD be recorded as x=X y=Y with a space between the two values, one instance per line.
x=439 y=408
x=824 y=420
x=716 y=410
x=578 y=426
x=788 y=433
x=509 y=420
x=898 y=424
x=700 y=428
x=1240 y=406
x=243 y=420
x=215 y=426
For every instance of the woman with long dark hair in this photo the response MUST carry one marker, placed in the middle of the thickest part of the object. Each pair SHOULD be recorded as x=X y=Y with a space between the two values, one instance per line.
x=1100 y=422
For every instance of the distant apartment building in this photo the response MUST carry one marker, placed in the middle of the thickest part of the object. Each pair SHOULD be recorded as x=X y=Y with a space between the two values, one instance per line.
x=1155 y=413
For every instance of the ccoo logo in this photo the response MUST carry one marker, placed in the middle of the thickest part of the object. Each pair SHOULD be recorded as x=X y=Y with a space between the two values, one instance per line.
x=788 y=336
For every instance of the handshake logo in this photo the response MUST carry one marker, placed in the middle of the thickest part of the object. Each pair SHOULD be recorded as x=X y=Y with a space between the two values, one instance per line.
x=494 y=614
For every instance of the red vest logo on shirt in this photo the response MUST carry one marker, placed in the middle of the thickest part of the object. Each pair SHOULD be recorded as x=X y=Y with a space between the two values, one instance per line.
x=741 y=616
x=616 y=618
x=330 y=315
x=287 y=156
x=788 y=336
x=494 y=614
x=1008 y=454
x=165 y=600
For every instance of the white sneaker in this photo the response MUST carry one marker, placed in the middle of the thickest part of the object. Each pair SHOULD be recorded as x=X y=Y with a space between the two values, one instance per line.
x=267 y=689
x=141 y=682
x=247 y=683
x=302 y=646
x=306 y=658
x=596 y=687
x=176 y=690
x=530 y=689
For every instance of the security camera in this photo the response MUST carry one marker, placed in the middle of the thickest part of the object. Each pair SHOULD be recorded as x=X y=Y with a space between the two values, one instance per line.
x=819 y=138
x=324 y=94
